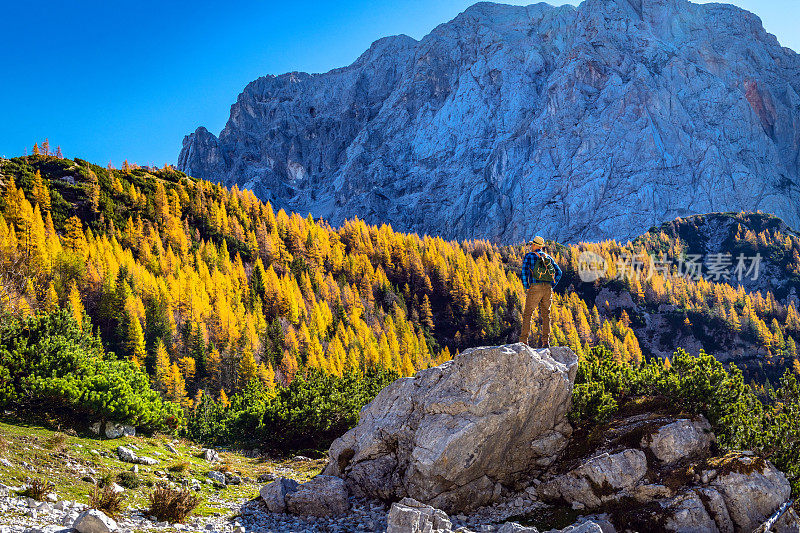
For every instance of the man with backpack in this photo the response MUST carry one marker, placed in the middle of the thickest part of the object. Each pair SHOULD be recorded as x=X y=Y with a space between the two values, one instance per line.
x=540 y=274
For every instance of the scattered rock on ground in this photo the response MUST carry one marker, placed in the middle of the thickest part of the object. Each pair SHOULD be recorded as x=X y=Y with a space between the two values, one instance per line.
x=115 y=430
x=210 y=455
x=126 y=455
x=411 y=516
x=216 y=476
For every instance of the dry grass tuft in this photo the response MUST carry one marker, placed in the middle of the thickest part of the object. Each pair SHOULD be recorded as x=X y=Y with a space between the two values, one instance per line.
x=106 y=500
x=179 y=467
x=38 y=489
x=171 y=505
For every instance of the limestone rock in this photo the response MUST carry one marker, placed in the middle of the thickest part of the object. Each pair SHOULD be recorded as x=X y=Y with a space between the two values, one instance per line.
x=599 y=480
x=126 y=455
x=210 y=455
x=95 y=428
x=715 y=505
x=115 y=430
x=411 y=516
x=148 y=461
x=94 y=521
x=579 y=123
x=218 y=477
x=752 y=489
x=689 y=514
x=681 y=439
x=274 y=494
x=513 y=527
x=454 y=435
x=321 y=496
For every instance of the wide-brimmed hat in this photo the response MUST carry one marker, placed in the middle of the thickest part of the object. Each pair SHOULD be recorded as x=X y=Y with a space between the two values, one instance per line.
x=538 y=241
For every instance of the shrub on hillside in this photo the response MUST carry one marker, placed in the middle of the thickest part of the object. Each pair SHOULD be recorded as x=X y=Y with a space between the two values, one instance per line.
x=50 y=363
x=129 y=480
x=171 y=505
x=318 y=407
x=313 y=410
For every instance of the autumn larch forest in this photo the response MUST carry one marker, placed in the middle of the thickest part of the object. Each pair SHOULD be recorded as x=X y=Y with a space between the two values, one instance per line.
x=210 y=294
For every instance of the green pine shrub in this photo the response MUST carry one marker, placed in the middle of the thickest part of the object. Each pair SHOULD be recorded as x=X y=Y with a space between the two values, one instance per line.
x=48 y=363
x=314 y=409
x=129 y=480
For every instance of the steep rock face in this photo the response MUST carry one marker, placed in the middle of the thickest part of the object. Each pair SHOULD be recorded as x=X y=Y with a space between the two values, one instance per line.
x=578 y=123
x=458 y=435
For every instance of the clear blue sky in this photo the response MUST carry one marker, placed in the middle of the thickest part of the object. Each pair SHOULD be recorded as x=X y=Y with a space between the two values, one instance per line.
x=110 y=80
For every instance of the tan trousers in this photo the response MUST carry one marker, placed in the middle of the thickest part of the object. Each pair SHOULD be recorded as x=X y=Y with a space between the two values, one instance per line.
x=541 y=295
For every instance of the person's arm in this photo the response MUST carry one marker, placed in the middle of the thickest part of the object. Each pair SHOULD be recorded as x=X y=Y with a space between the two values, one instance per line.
x=524 y=276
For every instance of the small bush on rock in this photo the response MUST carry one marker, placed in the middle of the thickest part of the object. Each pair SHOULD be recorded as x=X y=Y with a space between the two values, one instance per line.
x=171 y=505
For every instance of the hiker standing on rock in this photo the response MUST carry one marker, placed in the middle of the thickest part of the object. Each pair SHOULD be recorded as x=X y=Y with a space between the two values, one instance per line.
x=540 y=274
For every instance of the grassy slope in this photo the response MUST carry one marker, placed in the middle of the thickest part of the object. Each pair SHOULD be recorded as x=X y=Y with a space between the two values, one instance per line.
x=37 y=452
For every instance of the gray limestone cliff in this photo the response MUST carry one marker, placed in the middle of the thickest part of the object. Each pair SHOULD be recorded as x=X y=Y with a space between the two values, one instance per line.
x=577 y=123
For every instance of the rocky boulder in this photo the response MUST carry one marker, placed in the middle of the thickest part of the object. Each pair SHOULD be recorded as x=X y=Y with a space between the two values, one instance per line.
x=211 y=455
x=274 y=494
x=600 y=480
x=126 y=455
x=751 y=488
x=411 y=516
x=321 y=496
x=457 y=435
x=681 y=439
x=115 y=430
x=94 y=521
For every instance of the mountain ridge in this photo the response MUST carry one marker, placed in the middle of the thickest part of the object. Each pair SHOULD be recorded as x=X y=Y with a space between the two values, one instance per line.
x=580 y=123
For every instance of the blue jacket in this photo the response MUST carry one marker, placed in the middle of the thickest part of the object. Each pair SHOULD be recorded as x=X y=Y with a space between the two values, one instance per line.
x=527 y=267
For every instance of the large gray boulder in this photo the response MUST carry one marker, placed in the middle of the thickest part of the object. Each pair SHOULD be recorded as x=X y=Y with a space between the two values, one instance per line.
x=454 y=436
x=94 y=521
x=321 y=496
x=752 y=489
x=687 y=513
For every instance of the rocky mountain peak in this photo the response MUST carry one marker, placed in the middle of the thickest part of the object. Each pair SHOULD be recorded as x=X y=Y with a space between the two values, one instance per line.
x=580 y=123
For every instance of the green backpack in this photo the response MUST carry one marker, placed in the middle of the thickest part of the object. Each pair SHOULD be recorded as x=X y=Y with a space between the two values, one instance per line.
x=543 y=271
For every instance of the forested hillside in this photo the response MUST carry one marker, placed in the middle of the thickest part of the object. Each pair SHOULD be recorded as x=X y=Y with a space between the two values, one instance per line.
x=208 y=289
